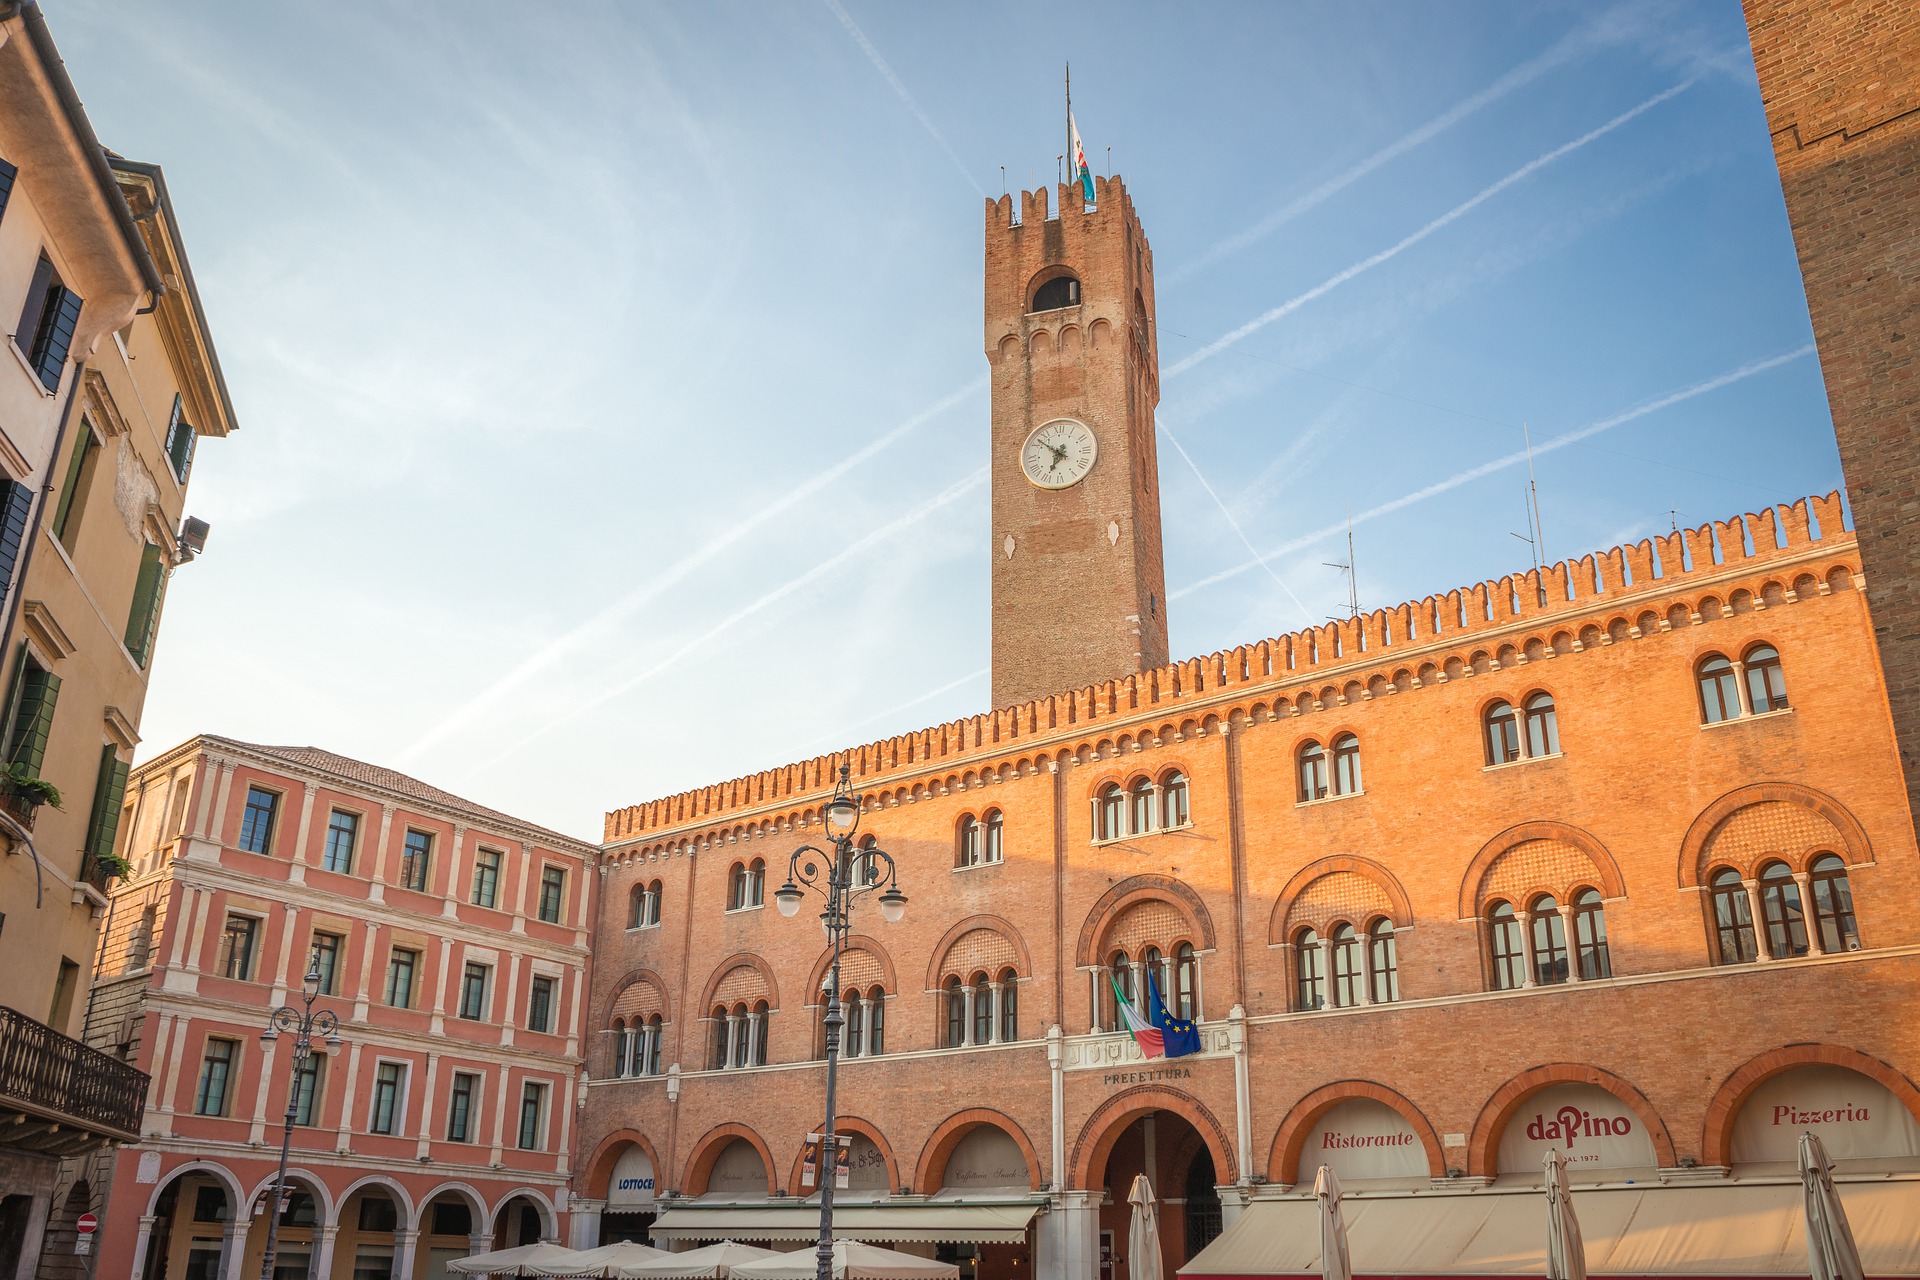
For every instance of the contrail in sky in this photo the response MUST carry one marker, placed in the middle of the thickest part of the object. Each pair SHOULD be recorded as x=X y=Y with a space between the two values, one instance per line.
x=1233 y=523
x=839 y=736
x=1508 y=460
x=604 y=621
x=873 y=56
x=1452 y=215
x=1524 y=74
x=832 y=564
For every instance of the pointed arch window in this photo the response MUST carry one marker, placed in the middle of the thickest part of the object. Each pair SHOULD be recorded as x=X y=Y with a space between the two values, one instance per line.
x=1502 y=733
x=865 y=867
x=1590 y=934
x=1061 y=291
x=1786 y=918
x=1543 y=726
x=1110 y=813
x=756 y=882
x=1140 y=807
x=1346 y=765
x=737 y=887
x=971 y=843
x=1833 y=905
x=1383 y=961
x=996 y=835
x=1310 y=980
x=1312 y=762
x=1732 y=918
x=1509 y=950
x=1719 y=689
x=1766 y=682
x=1173 y=799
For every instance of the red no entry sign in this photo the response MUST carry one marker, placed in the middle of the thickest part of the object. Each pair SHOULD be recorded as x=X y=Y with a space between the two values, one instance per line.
x=86 y=1224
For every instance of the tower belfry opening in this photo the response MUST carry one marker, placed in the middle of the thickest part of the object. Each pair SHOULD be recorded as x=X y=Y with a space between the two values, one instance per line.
x=1078 y=578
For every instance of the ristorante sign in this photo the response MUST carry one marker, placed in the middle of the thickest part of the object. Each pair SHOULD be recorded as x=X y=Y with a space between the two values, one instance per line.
x=1362 y=1140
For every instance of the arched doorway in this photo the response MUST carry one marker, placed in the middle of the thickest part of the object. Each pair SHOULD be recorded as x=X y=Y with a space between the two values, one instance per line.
x=191 y=1214
x=300 y=1212
x=59 y=1259
x=370 y=1221
x=1180 y=1168
x=518 y=1222
x=629 y=1211
x=450 y=1221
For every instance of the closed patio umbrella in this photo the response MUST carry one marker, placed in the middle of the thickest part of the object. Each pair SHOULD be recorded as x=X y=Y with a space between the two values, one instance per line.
x=852 y=1260
x=1830 y=1248
x=512 y=1262
x=714 y=1262
x=1143 y=1232
x=602 y=1262
x=1335 y=1264
x=1566 y=1252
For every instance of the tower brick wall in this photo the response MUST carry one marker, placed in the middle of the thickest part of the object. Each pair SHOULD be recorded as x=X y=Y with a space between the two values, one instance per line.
x=1840 y=80
x=1078 y=585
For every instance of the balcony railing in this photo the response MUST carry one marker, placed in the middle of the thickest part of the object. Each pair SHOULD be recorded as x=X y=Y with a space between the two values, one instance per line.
x=64 y=1086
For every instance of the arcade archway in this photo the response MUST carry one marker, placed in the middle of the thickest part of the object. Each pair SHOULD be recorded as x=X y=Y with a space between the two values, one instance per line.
x=1184 y=1161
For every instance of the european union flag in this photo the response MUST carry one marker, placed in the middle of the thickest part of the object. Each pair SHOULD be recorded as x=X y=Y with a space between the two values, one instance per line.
x=1180 y=1036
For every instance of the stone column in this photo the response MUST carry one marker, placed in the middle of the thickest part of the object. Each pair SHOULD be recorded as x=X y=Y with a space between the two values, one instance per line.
x=586 y=1223
x=1526 y=947
x=1098 y=974
x=993 y=1036
x=233 y=1243
x=141 y=1240
x=321 y=1267
x=1757 y=909
x=733 y=1039
x=753 y=1040
x=1814 y=944
x=403 y=1246
x=966 y=1036
x=1571 y=926
x=1068 y=1243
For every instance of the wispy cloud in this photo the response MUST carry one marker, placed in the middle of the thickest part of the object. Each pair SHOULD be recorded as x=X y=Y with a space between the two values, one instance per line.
x=1446 y=219
x=603 y=622
x=840 y=736
x=880 y=63
x=876 y=537
x=1501 y=463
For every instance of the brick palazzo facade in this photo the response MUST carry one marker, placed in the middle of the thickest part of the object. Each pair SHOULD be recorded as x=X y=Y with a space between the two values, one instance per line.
x=1614 y=857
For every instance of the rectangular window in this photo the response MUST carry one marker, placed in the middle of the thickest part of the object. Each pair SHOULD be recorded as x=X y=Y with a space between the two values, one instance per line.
x=73 y=490
x=216 y=1072
x=413 y=861
x=460 y=1107
x=343 y=832
x=236 y=947
x=64 y=983
x=47 y=322
x=540 y=1005
x=180 y=442
x=210 y=1204
x=473 y=992
x=144 y=612
x=7 y=174
x=306 y=1090
x=109 y=793
x=389 y=1084
x=553 y=892
x=256 y=821
x=533 y=1107
x=486 y=877
x=325 y=960
x=400 y=970
x=36 y=693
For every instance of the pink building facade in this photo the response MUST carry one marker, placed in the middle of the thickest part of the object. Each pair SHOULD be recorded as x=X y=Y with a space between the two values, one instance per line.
x=452 y=943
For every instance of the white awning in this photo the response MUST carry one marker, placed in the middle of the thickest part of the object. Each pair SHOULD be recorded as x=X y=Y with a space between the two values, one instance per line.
x=1719 y=1230
x=875 y=1223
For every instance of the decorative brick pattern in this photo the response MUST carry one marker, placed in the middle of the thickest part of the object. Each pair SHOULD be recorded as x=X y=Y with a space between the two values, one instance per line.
x=1343 y=895
x=976 y=950
x=860 y=968
x=1535 y=865
x=742 y=982
x=1772 y=829
x=640 y=1000
x=1152 y=923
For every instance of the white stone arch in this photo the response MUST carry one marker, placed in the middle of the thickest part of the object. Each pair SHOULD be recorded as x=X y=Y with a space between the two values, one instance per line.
x=549 y=1219
x=221 y=1174
x=482 y=1215
x=311 y=1181
x=409 y=1214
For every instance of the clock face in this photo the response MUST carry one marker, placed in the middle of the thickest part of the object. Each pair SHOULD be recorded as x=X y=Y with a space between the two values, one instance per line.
x=1059 y=453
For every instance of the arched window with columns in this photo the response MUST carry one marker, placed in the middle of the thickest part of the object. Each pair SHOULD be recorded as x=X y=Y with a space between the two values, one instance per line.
x=1590 y=935
x=1110 y=813
x=956 y=1001
x=1383 y=961
x=1719 y=689
x=854 y=1032
x=1009 y=1006
x=1140 y=807
x=996 y=837
x=1346 y=765
x=1173 y=800
x=1732 y=918
x=1833 y=905
x=1344 y=944
x=1766 y=682
x=982 y=1010
x=719 y=1039
x=969 y=850
x=1186 y=982
x=1311 y=766
x=1785 y=916
x=1507 y=947
x=876 y=1021
x=1310 y=975
x=1549 y=942
x=650 y=1047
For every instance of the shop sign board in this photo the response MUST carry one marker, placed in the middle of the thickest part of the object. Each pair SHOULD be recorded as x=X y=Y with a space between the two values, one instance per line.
x=632 y=1184
x=1856 y=1118
x=1361 y=1139
x=1592 y=1128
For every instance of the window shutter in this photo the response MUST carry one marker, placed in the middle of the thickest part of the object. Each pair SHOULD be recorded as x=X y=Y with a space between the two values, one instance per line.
x=51 y=344
x=109 y=791
x=33 y=718
x=7 y=173
x=71 y=486
x=16 y=500
x=146 y=605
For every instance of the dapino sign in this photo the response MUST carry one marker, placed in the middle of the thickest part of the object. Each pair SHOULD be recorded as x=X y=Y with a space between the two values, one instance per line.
x=1589 y=1126
x=1570 y=1124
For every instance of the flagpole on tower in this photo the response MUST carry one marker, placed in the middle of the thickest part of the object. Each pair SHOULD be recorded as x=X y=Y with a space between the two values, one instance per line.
x=1069 y=87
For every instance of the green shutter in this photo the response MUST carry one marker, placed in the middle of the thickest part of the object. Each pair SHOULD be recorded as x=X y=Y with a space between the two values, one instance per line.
x=109 y=790
x=146 y=605
x=64 y=512
x=33 y=718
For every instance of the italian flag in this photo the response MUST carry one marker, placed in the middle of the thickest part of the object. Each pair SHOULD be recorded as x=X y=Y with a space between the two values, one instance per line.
x=1145 y=1034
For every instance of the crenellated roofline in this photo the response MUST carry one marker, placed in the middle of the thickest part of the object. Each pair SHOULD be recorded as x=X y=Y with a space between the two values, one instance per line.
x=1380 y=651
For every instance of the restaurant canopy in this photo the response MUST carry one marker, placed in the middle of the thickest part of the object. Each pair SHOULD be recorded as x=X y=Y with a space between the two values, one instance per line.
x=880 y=1223
x=1718 y=1230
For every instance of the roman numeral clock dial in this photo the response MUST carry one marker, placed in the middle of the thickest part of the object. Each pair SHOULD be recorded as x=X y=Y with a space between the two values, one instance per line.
x=1058 y=454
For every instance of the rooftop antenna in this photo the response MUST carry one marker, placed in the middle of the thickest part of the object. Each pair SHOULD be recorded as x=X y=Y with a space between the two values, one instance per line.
x=1673 y=517
x=1003 y=181
x=1109 y=162
x=1533 y=502
x=1353 y=583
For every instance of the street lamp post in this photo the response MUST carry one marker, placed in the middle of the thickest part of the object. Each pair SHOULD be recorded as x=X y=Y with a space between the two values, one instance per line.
x=304 y=1024
x=848 y=872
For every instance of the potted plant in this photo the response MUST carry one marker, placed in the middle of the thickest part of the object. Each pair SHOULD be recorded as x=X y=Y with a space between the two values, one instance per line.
x=22 y=792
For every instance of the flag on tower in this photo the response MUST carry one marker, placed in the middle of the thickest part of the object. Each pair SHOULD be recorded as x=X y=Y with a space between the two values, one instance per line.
x=1080 y=170
x=1145 y=1034
x=1179 y=1036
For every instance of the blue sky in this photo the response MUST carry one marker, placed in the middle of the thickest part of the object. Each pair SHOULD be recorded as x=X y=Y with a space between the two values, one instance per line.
x=610 y=376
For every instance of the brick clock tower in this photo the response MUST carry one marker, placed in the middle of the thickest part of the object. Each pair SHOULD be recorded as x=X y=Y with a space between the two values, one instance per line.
x=1079 y=591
